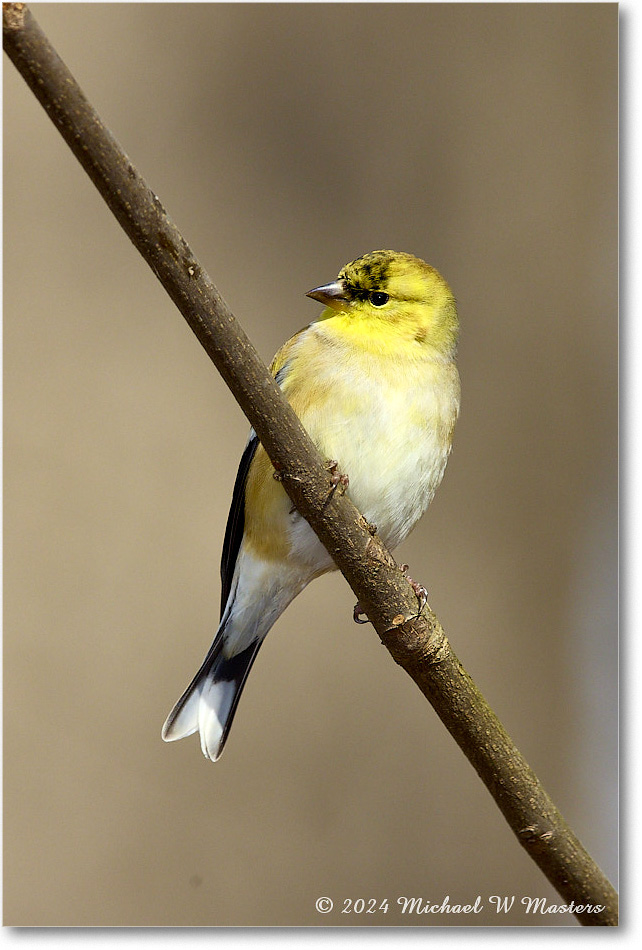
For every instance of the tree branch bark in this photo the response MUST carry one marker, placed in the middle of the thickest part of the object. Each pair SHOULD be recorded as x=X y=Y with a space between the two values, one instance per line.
x=418 y=644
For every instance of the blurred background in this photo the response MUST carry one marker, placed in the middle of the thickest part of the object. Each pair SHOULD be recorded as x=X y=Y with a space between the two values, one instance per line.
x=286 y=140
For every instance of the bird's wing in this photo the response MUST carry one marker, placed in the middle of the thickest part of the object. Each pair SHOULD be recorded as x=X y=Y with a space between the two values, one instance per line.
x=236 y=517
x=236 y=520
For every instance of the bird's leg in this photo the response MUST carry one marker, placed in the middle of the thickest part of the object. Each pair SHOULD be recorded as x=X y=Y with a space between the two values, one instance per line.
x=336 y=478
x=419 y=589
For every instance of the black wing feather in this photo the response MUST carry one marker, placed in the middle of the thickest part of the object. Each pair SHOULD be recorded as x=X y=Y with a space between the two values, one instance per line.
x=236 y=521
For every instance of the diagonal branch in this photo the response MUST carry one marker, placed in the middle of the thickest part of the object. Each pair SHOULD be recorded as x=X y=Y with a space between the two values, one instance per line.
x=418 y=644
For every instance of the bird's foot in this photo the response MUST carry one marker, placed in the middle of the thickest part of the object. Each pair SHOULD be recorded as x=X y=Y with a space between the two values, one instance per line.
x=419 y=589
x=337 y=479
x=358 y=613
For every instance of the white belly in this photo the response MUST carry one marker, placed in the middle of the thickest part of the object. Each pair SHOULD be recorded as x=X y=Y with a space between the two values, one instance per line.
x=393 y=445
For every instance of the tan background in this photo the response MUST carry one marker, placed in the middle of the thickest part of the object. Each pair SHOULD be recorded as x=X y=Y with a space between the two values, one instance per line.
x=286 y=140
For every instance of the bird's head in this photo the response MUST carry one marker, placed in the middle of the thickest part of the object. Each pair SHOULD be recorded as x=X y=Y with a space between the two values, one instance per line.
x=391 y=293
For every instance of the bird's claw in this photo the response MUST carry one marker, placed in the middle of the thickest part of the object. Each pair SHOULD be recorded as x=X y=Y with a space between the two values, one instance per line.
x=357 y=613
x=337 y=479
x=421 y=592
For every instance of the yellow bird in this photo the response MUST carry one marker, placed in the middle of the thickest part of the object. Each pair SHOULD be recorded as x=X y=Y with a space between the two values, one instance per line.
x=374 y=382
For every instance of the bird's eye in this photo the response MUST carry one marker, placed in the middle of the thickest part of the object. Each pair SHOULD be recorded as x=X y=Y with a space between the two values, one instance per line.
x=378 y=299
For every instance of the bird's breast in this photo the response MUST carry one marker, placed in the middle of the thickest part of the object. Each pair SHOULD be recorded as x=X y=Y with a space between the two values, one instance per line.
x=387 y=422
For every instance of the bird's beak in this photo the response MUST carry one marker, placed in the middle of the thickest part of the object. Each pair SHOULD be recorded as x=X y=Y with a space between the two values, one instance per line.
x=331 y=294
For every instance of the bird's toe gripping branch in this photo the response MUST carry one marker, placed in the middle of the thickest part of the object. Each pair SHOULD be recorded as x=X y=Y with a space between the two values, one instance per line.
x=337 y=479
x=419 y=589
x=358 y=613
x=420 y=592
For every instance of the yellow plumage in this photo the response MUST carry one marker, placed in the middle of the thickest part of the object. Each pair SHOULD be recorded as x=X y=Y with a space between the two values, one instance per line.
x=375 y=384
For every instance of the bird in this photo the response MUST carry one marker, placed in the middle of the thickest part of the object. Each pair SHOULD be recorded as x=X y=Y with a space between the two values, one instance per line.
x=375 y=383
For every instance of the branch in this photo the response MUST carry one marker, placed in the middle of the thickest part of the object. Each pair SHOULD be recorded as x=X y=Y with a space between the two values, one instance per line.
x=418 y=644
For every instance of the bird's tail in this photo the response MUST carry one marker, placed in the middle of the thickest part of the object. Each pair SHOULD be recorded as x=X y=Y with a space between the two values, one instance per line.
x=209 y=702
x=259 y=594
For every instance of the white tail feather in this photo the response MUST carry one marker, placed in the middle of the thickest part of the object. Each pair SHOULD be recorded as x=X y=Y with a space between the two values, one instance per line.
x=215 y=705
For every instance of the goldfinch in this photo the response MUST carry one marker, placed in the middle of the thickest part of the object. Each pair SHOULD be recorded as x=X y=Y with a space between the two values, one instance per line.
x=374 y=382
